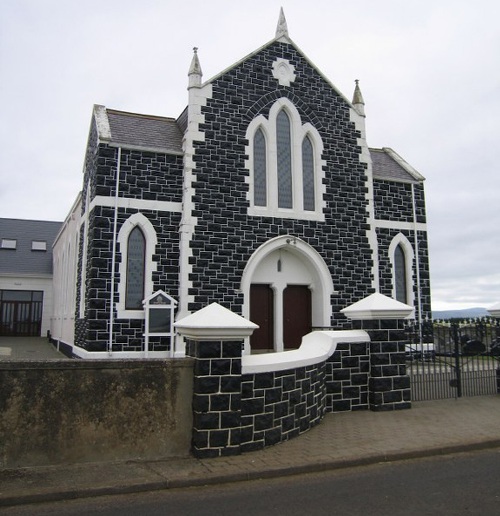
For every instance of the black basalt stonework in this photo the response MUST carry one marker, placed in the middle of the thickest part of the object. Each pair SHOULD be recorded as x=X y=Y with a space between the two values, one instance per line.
x=388 y=385
x=143 y=175
x=225 y=232
x=216 y=397
x=280 y=405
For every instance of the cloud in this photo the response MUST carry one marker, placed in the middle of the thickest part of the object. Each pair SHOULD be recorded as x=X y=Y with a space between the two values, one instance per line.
x=429 y=72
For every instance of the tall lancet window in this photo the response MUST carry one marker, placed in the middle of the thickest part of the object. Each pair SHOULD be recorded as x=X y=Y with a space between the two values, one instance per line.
x=260 y=169
x=308 y=174
x=135 y=270
x=284 y=156
x=400 y=274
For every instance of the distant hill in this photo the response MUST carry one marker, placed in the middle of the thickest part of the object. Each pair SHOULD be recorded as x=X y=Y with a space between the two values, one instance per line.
x=465 y=313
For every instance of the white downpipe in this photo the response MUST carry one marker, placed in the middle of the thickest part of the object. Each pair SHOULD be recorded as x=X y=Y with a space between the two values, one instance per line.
x=113 y=255
x=417 y=262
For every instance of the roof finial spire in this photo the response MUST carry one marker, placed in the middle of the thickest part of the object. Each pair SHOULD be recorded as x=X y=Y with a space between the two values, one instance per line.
x=282 y=29
x=195 y=74
x=357 y=99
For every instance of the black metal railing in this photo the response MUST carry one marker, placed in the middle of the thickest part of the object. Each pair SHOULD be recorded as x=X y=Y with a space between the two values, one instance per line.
x=453 y=358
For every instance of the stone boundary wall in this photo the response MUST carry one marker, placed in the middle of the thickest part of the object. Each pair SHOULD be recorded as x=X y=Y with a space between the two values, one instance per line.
x=72 y=411
x=277 y=406
x=347 y=376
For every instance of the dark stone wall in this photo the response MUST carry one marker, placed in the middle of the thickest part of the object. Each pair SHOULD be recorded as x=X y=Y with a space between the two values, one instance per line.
x=216 y=397
x=393 y=201
x=143 y=175
x=347 y=375
x=225 y=235
x=385 y=237
x=278 y=406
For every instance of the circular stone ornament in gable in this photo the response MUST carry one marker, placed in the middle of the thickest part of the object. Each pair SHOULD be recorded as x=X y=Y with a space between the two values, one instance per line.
x=284 y=71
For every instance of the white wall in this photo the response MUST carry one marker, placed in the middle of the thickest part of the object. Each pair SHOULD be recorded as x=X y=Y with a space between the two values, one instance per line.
x=65 y=256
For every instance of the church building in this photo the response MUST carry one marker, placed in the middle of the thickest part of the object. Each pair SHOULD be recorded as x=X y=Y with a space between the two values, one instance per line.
x=262 y=195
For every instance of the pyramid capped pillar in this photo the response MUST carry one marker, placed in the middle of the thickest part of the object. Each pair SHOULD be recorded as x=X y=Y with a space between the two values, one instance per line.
x=383 y=319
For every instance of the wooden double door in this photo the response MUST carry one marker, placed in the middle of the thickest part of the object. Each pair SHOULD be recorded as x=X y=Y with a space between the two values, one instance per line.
x=296 y=320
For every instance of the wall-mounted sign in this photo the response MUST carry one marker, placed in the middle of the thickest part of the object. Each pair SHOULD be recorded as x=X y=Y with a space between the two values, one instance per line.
x=159 y=308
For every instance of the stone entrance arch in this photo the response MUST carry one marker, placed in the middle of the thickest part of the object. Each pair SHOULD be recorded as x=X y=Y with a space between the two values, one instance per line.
x=283 y=262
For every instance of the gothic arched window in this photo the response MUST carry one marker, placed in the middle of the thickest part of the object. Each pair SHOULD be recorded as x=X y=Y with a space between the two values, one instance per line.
x=136 y=267
x=400 y=274
x=260 y=169
x=308 y=174
x=286 y=169
x=284 y=156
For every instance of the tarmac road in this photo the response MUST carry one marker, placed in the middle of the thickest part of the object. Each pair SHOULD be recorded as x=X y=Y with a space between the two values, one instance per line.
x=466 y=483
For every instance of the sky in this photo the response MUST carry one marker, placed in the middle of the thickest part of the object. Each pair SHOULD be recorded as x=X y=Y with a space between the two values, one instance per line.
x=429 y=71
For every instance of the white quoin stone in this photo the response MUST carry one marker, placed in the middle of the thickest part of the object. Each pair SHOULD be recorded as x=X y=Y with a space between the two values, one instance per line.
x=377 y=306
x=494 y=310
x=214 y=322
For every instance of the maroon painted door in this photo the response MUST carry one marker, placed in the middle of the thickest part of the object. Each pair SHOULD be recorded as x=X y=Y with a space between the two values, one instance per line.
x=262 y=313
x=297 y=320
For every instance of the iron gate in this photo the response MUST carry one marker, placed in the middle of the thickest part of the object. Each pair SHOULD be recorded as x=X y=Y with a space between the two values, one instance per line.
x=455 y=358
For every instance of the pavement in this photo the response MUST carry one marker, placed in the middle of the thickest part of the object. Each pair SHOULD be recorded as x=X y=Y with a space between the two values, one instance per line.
x=342 y=440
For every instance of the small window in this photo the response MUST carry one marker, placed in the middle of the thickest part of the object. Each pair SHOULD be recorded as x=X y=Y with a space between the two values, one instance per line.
x=260 y=169
x=400 y=274
x=9 y=243
x=284 y=149
x=308 y=174
x=135 y=270
x=38 y=245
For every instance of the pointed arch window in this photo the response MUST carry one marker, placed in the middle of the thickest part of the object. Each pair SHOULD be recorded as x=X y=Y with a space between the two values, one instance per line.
x=137 y=241
x=308 y=174
x=285 y=165
x=284 y=150
x=400 y=274
x=260 y=169
x=136 y=261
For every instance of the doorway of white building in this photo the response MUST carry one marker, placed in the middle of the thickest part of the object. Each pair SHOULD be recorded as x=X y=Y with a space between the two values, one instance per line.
x=21 y=313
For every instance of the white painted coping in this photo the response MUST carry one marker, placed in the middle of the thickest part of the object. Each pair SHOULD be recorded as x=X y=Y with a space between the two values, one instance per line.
x=377 y=306
x=316 y=347
x=214 y=322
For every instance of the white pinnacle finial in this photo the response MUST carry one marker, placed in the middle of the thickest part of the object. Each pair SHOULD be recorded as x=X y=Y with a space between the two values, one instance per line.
x=195 y=74
x=357 y=99
x=281 y=29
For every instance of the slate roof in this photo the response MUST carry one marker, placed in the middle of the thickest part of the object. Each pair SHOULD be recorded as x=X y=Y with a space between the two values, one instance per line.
x=145 y=131
x=23 y=260
x=390 y=166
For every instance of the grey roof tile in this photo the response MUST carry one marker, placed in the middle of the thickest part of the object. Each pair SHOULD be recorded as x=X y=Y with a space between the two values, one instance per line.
x=23 y=260
x=388 y=165
x=145 y=131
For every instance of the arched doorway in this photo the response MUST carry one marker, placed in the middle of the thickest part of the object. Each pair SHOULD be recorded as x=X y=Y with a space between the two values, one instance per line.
x=287 y=289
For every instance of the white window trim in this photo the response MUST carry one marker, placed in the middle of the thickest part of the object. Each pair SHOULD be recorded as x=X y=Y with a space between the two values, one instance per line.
x=138 y=219
x=298 y=132
x=409 y=254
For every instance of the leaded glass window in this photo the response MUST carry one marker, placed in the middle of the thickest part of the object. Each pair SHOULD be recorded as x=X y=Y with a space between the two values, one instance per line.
x=135 y=270
x=400 y=274
x=308 y=174
x=284 y=154
x=260 y=169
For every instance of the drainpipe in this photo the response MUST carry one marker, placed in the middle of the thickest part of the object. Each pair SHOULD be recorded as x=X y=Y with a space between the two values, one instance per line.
x=113 y=255
x=417 y=263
